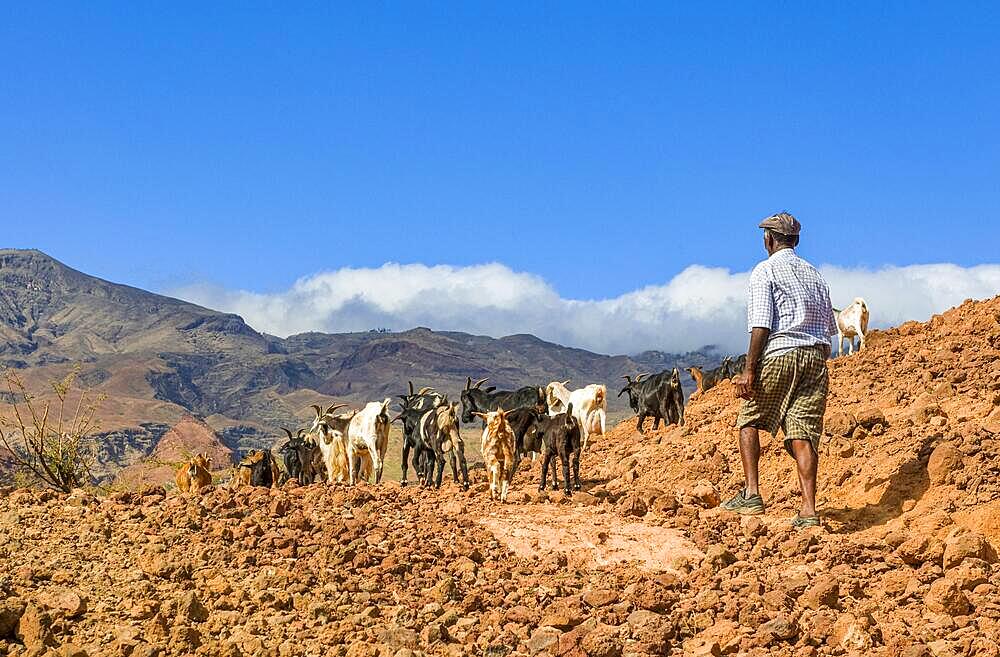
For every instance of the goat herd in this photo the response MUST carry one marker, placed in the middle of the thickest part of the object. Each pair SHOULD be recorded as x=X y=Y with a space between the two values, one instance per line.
x=548 y=422
x=552 y=422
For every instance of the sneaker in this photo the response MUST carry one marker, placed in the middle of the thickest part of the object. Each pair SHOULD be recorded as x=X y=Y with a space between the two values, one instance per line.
x=801 y=522
x=752 y=505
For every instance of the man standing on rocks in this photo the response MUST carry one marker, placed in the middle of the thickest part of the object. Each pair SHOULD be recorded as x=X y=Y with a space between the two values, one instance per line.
x=790 y=320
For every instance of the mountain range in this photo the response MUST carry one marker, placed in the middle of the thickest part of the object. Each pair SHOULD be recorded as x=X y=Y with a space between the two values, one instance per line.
x=159 y=360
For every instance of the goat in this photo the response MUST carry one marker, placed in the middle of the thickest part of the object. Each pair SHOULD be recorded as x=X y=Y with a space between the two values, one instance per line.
x=368 y=432
x=590 y=405
x=660 y=397
x=561 y=436
x=526 y=423
x=194 y=474
x=330 y=435
x=497 y=448
x=258 y=468
x=298 y=455
x=707 y=380
x=852 y=322
x=412 y=440
x=421 y=400
x=441 y=434
x=476 y=400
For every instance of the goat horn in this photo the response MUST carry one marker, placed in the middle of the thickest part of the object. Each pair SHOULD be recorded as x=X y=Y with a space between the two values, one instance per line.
x=468 y=382
x=330 y=410
x=319 y=411
x=627 y=378
x=410 y=384
x=481 y=382
x=288 y=432
x=425 y=390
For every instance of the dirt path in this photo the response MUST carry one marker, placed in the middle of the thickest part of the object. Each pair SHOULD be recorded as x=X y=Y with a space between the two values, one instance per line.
x=588 y=536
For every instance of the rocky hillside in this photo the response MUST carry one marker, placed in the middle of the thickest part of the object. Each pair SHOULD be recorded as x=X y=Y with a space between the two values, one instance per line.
x=642 y=562
x=159 y=359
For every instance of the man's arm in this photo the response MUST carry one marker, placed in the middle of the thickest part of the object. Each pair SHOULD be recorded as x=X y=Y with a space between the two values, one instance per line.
x=758 y=340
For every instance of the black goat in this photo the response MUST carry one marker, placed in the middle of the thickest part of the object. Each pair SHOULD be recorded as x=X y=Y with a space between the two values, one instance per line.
x=299 y=455
x=477 y=400
x=526 y=423
x=660 y=397
x=258 y=468
x=561 y=436
x=413 y=440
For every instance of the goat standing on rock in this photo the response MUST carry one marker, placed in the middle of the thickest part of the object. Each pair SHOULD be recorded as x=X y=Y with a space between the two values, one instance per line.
x=659 y=396
x=852 y=322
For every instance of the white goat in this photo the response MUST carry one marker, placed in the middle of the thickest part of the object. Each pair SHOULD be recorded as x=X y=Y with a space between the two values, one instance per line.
x=852 y=322
x=369 y=432
x=329 y=431
x=590 y=406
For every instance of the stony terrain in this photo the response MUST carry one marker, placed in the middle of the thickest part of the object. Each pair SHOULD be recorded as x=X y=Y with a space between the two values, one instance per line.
x=641 y=563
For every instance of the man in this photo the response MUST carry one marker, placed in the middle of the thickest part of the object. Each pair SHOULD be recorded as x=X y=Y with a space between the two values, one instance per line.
x=790 y=320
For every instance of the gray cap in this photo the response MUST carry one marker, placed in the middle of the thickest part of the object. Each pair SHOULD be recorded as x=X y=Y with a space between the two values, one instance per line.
x=783 y=223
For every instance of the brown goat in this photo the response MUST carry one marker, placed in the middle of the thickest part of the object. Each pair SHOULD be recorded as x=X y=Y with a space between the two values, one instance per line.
x=194 y=474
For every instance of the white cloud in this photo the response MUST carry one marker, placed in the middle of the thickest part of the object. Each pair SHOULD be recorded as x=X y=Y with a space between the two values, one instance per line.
x=699 y=306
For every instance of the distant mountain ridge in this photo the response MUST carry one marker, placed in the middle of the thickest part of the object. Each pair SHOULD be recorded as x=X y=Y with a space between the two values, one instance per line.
x=160 y=359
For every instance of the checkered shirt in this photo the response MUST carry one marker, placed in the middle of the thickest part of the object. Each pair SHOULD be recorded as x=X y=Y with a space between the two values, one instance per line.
x=789 y=296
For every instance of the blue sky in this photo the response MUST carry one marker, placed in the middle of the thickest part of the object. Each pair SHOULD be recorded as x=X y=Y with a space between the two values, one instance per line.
x=601 y=148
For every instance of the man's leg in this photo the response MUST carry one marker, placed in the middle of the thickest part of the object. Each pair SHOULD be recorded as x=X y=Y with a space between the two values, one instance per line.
x=748 y=501
x=750 y=455
x=807 y=464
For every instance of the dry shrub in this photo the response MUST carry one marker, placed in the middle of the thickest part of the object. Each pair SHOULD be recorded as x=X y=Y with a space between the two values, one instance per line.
x=50 y=441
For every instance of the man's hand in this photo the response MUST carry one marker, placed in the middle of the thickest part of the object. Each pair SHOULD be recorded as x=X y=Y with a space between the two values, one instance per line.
x=744 y=384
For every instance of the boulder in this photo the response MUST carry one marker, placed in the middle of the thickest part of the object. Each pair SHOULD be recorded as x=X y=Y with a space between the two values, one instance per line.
x=705 y=494
x=190 y=608
x=66 y=602
x=919 y=550
x=945 y=459
x=852 y=632
x=869 y=416
x=718 y=556
x=970 y=573
x=946 y=597
x=543 y=639
x=778 y=629
x=34 y=629
x=960 y=545
x=839 y=423
x=10 y=614
x=602 y=641
x=702 y=647
x=562 y=614
x=651 y=631
x=633 y=505
x=823 y=592
x=600 y=597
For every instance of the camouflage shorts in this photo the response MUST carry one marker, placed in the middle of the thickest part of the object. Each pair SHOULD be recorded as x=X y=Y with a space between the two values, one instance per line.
x=790 y=394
